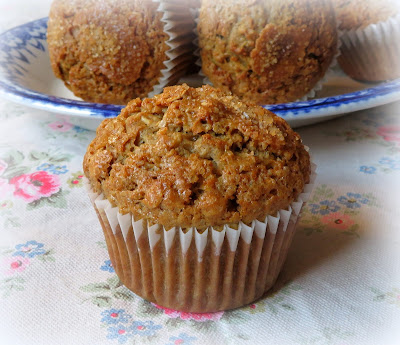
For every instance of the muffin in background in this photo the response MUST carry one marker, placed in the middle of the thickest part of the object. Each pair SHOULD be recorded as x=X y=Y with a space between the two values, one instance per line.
x=370 y=39
x=198 y=194
x=267 y=51
x=113 y=51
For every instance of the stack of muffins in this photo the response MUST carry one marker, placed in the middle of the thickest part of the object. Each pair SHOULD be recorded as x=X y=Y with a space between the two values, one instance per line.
x=199 y=191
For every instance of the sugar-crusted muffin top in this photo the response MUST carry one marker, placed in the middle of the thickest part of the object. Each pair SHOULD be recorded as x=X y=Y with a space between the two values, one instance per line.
x=356 y=14
x=197 y=158
x=105 y=50
x=267 y=51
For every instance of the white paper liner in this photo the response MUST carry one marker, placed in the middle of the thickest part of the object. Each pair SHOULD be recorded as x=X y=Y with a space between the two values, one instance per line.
x=170 y=267
x=195 y=12
x=178 y=24
x=372 y=53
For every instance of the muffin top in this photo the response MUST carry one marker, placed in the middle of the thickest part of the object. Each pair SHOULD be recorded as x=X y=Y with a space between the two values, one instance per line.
x=107 y=51
x=267 y=51
x=356 y=14
x=197 y=158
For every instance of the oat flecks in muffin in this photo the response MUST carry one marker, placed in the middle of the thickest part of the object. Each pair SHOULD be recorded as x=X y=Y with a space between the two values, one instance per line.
x=267 y=51
x=107 y=51
x=197 y=157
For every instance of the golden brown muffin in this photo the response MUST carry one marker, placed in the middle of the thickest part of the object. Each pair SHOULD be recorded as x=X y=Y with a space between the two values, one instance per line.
x=107 y=51
x=357 y=14
x=370 y=47
x=169 y=175
x=267 y=51
x=197 y=158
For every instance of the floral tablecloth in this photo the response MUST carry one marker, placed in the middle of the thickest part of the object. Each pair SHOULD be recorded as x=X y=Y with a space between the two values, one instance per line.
x=340 y=284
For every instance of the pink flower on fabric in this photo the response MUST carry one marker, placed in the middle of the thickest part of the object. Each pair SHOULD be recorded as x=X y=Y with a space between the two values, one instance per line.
x=3 y=166
x=199 y=317
x=15 y=264
x=389 y=133
x=31 y=187
x=61 y=126
x=337 y=220
x=5 y=188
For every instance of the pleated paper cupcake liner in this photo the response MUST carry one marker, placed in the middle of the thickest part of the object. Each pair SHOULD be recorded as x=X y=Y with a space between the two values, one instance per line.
x=196 y=271
x=178 y=24
x=372 y=53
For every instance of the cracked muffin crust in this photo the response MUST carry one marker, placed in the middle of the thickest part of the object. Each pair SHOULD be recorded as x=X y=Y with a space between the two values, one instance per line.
x=107 y=51
x=197 y=158
x=267 y=51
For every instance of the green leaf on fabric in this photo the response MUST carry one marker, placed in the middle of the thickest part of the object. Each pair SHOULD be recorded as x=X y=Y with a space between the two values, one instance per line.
x=13 y=157
x=4 y=251
x=375 y=290
x=59 y=157
x=114 y=282
x=56 y=200
x=126 y=296
x=379 y=298
x=19 y=280
x=287 y=306
x=102 y=244
x=14 y=171
x=55 y=157
x=9 y=285
x=308 y=231
x=321 y=192
x=12 y=280
x=47 y=256
x=145 y=308
x=272 y=308
x=101 y=301
x=173 y=322
x=352 y=231
x=12 y=222
x=35 y=204
x=37 y=156
x=96 y=287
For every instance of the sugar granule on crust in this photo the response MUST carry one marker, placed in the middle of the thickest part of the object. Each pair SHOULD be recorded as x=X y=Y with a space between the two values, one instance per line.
x=107 y=51
x=197 y=158
x=267 y=52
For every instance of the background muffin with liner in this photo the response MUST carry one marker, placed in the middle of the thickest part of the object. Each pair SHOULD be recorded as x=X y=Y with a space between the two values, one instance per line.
x=197 y=164
x=370 y=37
x=113 y=51
x=267 y=51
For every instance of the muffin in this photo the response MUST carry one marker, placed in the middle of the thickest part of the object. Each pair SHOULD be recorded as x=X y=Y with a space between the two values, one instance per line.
x=113 y=51
x=198 y=194
x=370 y=46
x=267 y=51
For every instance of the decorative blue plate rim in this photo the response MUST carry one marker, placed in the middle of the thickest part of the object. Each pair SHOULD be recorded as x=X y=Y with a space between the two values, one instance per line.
x=18 y=45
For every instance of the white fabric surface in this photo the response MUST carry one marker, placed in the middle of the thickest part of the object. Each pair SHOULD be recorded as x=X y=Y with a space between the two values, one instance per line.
x=340 y=284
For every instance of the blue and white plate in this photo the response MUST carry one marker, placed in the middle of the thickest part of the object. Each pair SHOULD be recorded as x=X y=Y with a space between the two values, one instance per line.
x=27 y=78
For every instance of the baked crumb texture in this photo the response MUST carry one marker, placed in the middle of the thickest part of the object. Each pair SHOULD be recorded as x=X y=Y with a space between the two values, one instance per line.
x=197 y=158
x=107 y=51
x=267 y=51
x=357 y=14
